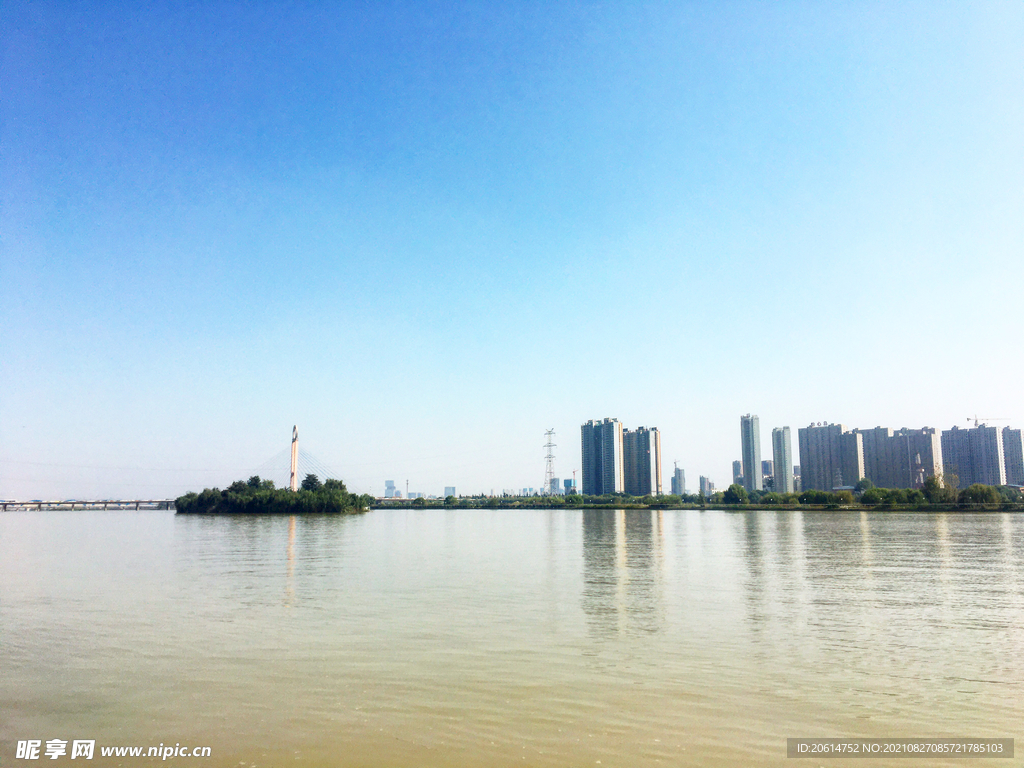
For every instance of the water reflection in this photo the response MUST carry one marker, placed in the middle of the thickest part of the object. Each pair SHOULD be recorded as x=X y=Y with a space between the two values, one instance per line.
x=484 y=638
x=622 y=562
x=290 y=583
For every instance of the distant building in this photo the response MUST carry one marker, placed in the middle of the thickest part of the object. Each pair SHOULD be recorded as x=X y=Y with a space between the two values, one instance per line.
x=678 y=482
x=603 y=470
x=1013 y=456
x=389 y=490
x=737 y=472
x=750 y=442
x=830 y=457
x=974 y=455
x=797 y=484
x=641 y=458
x=556 y=487
x=901 y=459
x=569 y=486
x=449 y=490
x=416 y=495
x=707 y=488
x=782 y=461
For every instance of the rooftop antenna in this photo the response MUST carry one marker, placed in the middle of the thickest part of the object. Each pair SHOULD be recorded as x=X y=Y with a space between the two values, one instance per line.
x=549 y=458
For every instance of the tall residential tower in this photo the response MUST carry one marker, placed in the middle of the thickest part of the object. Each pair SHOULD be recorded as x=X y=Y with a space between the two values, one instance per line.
x=782 y=455
x=750 y=438
x=641 y=450
x=974 y=455
x=830 y=456
x=603 y=470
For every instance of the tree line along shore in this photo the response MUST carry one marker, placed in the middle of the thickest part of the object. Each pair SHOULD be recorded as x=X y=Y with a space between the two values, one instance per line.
x=933 y=496
x=259 y=496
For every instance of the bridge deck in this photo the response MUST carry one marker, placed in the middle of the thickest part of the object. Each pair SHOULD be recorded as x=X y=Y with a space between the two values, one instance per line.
x=140 y=504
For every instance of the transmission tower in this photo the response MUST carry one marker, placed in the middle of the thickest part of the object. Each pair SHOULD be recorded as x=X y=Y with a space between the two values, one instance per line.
x=549 y=459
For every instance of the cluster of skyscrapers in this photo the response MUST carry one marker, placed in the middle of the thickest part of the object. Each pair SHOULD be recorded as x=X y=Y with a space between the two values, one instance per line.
x=832 y=456
x=619 y=460
x=751 y=472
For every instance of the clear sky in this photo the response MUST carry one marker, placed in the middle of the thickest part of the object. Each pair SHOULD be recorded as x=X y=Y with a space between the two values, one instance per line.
x=427 y=232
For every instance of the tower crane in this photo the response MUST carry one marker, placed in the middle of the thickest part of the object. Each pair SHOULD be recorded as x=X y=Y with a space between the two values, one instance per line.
x=979 y=420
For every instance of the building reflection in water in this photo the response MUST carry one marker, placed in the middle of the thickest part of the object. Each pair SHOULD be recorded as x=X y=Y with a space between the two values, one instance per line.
x=289 y=591
x=622 y=562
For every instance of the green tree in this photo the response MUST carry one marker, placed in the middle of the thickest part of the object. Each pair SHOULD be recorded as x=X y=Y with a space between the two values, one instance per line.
x=915 y=497
x=419 y=502
x=950 y=484
x=311 y=483
x=814 y=496
x=330 y=484
x=872 y=497
x=449 y=500
x=1010 y=494
x=735 y=494
x=863 y=485
x=980 y=494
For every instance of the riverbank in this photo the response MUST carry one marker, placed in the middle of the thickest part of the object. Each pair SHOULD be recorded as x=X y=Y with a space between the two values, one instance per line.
x=538 y=503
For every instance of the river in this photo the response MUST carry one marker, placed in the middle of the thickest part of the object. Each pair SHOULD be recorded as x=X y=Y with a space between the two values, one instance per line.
x=507 y=637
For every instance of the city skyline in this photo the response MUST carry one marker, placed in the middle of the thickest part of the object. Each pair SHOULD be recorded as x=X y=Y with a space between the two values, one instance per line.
x=370 y=220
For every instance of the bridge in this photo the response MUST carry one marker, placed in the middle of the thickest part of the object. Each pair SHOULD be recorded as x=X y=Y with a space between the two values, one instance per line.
x=69 y=504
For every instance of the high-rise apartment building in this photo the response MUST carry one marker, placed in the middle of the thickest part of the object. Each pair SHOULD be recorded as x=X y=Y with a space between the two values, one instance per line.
x=678 y=482
x=974 y=455
x=901 y=459
x=737 y=472
x=750 y=440
x=449 y=490
x=830 y=457
x=641 y=457
x=1013 y=456
x=389 y=489
x=706 y=487
x=782 y=456
x=603 y=470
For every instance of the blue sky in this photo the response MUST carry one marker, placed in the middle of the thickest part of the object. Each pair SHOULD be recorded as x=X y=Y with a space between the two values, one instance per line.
x=427 y=232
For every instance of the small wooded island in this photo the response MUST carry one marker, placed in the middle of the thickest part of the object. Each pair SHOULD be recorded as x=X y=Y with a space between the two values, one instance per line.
x=258 y=496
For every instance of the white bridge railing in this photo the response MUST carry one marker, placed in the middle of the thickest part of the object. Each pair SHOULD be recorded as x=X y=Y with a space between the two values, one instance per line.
x=12 y=504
